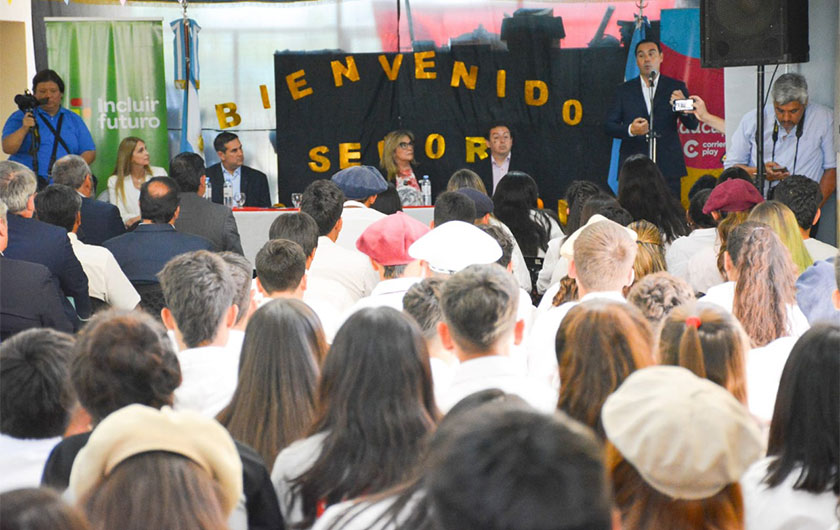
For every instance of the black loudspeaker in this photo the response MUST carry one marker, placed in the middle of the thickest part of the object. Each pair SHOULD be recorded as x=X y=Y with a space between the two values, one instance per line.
x=753 y=32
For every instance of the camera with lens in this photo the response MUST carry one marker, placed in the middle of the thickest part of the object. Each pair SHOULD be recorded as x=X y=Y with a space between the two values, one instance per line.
x=26 y=102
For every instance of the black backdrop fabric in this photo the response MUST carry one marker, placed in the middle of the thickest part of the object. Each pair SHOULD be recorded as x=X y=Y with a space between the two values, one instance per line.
x=559 y=146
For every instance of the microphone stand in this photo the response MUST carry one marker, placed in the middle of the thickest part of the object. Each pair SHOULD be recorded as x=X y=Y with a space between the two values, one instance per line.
x=651 y=136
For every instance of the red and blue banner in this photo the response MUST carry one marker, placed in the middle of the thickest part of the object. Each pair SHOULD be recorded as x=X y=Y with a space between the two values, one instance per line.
x=703 y=147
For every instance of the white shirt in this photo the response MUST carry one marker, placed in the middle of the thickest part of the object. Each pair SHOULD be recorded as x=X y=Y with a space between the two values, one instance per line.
x=542 y=356
x=210 y=375
x=554 y=230
x=818 y=250
x=235 y=339
x=554 y=266
x=386 y=293
x=782 y=507
x=702 y=271
x=517 y=260
x=647 y=96
x=724 y=296
x=499 y=170
x=497 y=371
x=130 y=207
x=235 y=179
x=682 y=251
x=442 y=374
x=22 y=461
x=338 y=277
x=364 y=515
x=106 y=280
x=356 y=218
x=291 y=463
x=764 y=372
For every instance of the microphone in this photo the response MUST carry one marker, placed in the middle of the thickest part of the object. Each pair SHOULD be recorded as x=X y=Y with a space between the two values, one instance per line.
x=652 y=76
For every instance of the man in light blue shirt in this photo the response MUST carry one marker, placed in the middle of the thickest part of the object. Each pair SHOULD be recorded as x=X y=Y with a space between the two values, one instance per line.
x=798 y=140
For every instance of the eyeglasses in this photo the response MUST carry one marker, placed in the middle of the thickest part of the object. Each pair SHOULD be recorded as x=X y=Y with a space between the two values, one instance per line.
x=406 y=145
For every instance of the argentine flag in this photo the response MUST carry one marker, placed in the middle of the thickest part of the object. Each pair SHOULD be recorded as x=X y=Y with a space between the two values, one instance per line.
x=186 y=78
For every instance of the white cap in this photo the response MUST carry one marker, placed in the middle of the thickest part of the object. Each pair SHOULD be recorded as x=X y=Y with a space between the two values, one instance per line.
x=454 y=246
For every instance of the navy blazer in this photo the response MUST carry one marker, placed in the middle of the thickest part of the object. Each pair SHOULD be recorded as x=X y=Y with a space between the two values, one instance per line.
x=32 y=240
x=100 y=221
x=142 y=253
x=251 y=182
x=29 y=298
x=629 y=104
x=485 y=169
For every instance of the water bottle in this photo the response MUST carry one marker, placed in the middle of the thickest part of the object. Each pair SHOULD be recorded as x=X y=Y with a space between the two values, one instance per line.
x=208 y=189
x=228 y=195
x=426 y=189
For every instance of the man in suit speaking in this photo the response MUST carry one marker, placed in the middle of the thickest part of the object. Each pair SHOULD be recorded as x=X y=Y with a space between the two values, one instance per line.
x=629 y=116
x=251 y=182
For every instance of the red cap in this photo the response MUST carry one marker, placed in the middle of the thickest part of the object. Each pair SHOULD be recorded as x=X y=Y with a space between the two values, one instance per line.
x=386 y=241
x=734 y=195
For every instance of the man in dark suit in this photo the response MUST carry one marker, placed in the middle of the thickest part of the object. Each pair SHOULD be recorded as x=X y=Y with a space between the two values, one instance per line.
x=29 y=295
x=100 y=220
x=501 y=159
x=199 y=216
x=629 y=116
x=143 y=252
x=32 y=240
x=244 y=179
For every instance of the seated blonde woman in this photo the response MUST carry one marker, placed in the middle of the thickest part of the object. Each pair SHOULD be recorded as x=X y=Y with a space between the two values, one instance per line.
x=132 y=166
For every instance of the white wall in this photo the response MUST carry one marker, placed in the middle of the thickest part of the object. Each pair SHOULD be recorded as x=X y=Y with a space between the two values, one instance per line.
x=821 y=70
x=21 y=11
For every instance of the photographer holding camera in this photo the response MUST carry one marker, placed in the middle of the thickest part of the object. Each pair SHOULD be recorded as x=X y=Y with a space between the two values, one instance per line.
x=42 y=131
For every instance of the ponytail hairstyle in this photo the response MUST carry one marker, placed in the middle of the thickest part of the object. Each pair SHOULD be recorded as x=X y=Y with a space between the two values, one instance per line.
x=710 y=342
x=766 y=283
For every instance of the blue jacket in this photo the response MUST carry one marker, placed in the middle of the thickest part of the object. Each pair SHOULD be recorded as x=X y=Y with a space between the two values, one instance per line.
x=142 y=253
x=100 y=221
x=32 y=240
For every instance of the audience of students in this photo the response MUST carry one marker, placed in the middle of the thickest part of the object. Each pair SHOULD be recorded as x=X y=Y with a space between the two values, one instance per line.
x=348 y=416
x=374 y=409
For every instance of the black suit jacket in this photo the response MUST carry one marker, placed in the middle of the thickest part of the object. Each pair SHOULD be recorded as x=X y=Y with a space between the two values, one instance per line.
x=629 y=104
x=252 y=182
x=143 y=252
x=484 y=169
x=100 y=221
x=29 y=298
x=32 y=240
x=209 y=220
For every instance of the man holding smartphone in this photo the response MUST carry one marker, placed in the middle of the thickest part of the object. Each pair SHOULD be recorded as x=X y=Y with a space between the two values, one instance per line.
x=629 y=115
x=798 y=140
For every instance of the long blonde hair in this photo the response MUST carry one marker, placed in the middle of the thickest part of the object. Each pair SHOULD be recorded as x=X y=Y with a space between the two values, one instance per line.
x=389 y=147
x=782 y=221
x=123 y=166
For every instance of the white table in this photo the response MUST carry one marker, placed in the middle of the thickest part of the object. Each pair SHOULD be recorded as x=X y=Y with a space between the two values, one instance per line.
x=253 y=224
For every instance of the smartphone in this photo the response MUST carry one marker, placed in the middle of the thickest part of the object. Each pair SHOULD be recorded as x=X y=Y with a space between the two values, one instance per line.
x=681 y=105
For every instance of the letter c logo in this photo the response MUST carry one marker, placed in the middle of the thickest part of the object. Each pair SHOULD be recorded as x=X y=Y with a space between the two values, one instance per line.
x=690 y=149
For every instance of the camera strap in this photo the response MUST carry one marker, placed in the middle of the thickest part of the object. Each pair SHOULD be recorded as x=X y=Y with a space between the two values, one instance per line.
x=56 y=140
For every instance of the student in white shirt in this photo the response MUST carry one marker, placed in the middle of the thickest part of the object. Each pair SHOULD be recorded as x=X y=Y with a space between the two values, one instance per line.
x=375 y=411
x=798 y=483
x=36 y=409
x=200 y=309
x=480 y=326
x=601 y=256
x=240 y=271
x=803 y=196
